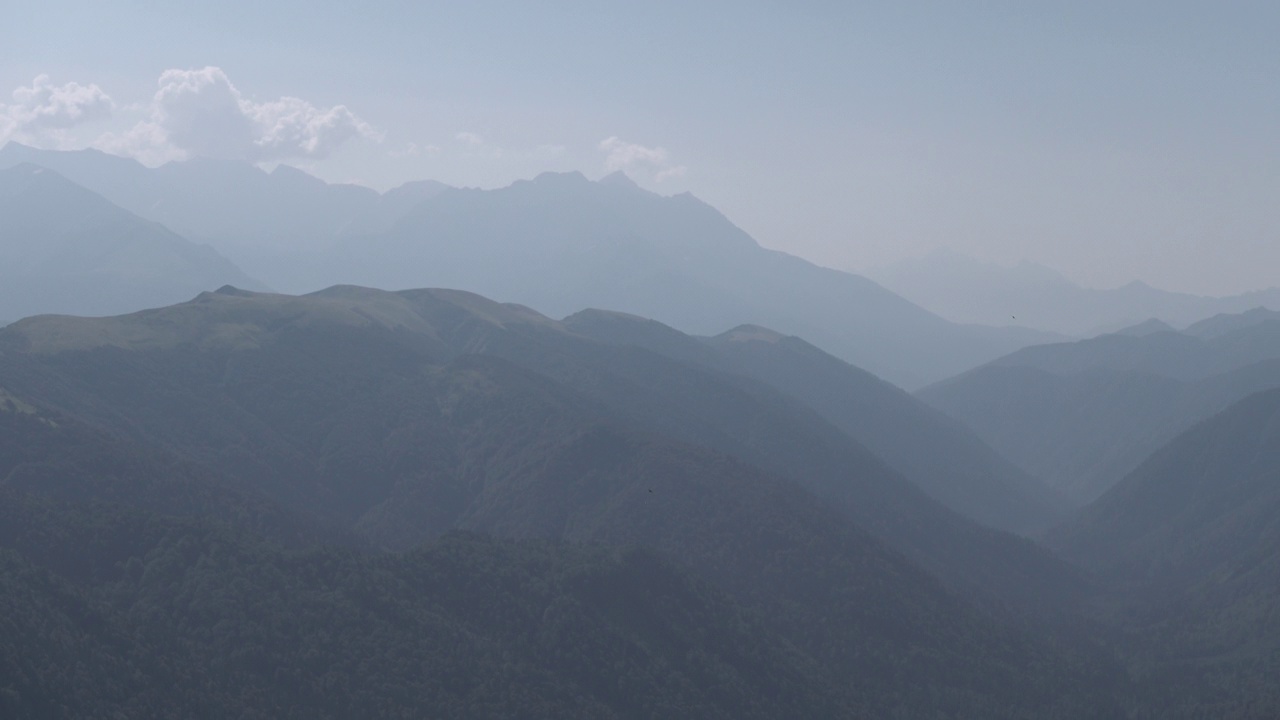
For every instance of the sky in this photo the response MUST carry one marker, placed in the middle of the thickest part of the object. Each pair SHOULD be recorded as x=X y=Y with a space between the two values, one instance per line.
x=1112 y=141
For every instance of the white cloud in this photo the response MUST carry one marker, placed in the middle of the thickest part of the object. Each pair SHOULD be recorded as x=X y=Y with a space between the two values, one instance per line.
x=671 y=172
x=45 y=109
x=476 y=145
x=628 y=156
x=201 y=113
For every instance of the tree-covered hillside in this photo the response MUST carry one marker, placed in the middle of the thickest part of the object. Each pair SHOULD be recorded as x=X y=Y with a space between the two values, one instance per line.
x=371 y=423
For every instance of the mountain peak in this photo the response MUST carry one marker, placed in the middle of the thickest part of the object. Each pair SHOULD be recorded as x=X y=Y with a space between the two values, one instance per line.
x=290 y=173
x=1146 y=327
x=560 y=179
x=746 y=333
x=13 y=147
x=619 y=178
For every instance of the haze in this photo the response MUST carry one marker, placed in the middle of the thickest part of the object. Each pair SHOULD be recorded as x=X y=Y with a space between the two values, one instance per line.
x=1110 y=142
x=568 y=361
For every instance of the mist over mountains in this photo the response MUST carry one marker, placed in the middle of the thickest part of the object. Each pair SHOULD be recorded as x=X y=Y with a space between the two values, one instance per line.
x=558 y=243
x=569 y=361
x=628 y=464
x=1081 y=415
x=67 y=250
x=965 y=290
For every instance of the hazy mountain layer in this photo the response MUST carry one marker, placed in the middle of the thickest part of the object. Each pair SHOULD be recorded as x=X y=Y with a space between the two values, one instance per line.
x=1082 y=415
x=64 y=249
x=274 y=225
x=962 y=289
x=935 y=452
x=559 y=243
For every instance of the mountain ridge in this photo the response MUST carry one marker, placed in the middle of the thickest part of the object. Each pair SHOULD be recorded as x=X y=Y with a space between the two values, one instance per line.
x=964 y=289
x=1081 y=415
x=66 y=249
x=558 y=243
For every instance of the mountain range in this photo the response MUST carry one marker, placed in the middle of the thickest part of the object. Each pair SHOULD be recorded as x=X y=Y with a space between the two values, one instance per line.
x=558 y=243
x=383 y=421
x=1081 y=415
x=1190 y=541
x=938 y=454
x=699 y=493
x=966 y=290
x=300 y=498
x=64 y=249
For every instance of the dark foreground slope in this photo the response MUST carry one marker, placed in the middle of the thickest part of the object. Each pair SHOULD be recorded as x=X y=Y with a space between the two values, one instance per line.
x=1083 y=415
x=397 y=418
x=356 y=386
x=1190 y=544
x=178 y=618
x=932 y=450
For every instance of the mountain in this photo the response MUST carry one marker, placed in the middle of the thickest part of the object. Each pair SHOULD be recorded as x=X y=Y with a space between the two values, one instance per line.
x=402 y=417
x=1082 y=415
x=561 y=242
x=1192 y=538
x=391 y=206
x=302 y=342
x=966 y=290
x=64 y=249
x=558 y=243
x=1202 y=352
x=933 y=451
x=1207 y=496
x=272 y=224
x=1224 y=324
x=1145 y=328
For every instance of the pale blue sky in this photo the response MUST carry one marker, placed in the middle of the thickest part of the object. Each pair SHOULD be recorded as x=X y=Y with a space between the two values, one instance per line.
x=1110 y=140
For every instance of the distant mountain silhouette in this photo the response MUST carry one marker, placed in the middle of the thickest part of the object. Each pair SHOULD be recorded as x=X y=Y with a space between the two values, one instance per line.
x=1082 y=415
x=1223 y=324
x=558 y=243
x=391 y=206
x=64 y=249
x=271 y=224
x=963 y=289
x=1147 y=327
x=561 y=242
x=935 y=452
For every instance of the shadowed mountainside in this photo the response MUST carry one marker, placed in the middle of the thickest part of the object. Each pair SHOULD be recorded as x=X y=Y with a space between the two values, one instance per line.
x=400 y=417
x=929 y=448
x=1190 y=542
